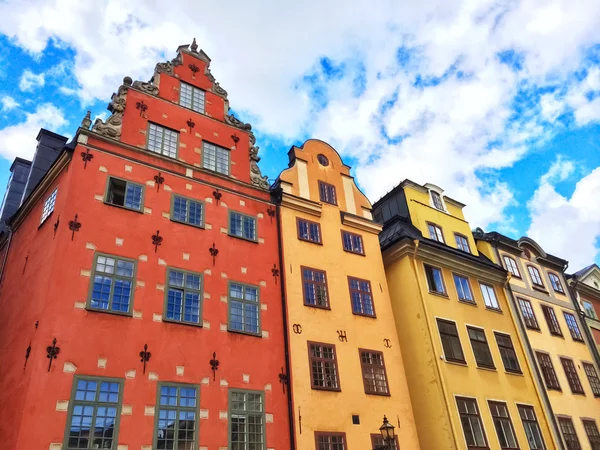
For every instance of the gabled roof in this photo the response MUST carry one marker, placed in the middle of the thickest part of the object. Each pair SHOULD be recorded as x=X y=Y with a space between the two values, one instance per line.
x=583 y=272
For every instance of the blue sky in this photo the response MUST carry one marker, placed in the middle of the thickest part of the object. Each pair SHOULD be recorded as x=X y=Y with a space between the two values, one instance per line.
x=495 y=101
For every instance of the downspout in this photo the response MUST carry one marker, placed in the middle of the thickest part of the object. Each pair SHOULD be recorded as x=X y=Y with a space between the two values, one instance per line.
x=586 y=329
x=432 y=339
x=288 y=369
x=10 y=236
x=541 y=392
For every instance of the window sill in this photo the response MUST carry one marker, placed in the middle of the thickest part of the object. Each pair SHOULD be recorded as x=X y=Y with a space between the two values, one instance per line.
x=45 y=220
x=467 y=302
x=108 y=311
x=581 y=341
x=380 y=394
x=559 y=292
x=456 y=363
x=309 y=241
x=489 y=369
x=254 y=241
x=181 y=322
x=354 y=253
x=540 y=289
x=439 y=294
x=557 y=335
x=318 y=388
x=554 y=389
x=582 y=394
x=513 y=372
x=246 y=333
x=326 y=308
x=496 y=310
x=125 y=207
x=372 y=316
x=533 y=329
x=201 y=226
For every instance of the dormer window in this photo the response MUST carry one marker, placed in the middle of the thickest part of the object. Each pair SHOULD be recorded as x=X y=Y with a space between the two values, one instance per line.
x=191 y=97
x=436 y=200
x=435 y=233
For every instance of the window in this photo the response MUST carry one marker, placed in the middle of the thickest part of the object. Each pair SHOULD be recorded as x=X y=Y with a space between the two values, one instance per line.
x=536 y=278
x=462 y=243
x=489 y=296
x=244 y=308
x=330 y=441
x=373 y=372
x=569 y=434
x=215 y=158
x=162 y=140
x=377 y=442
x=191 y=97
x=183 y=297
x=507 y=352
x=591 y=429
x=323 y=366
x=246 y=420
x=551 y=320
x=503 y=425
x=450 y=341
x=511 y=266
x=124 y=193
x=309 y=231
x=573 y=327
x=186 y=210
x=532 y=429
x=435 y=232
x=548 y=371
x=435 y=280
x=436 y=199
x=322 y=160
x=589 y=310
x=528 y=314
x=327 y=193
x=572 y=377
x=353 y=243
x=177 y=416
x=463 y=289
x=481 y=349
x=49 y=206
x=362 y=299
x=112 y=284
x=242 y=226
x=94 y=412
x=592 y=376
x=555 y=282
x=471 y=423
x=314 y=288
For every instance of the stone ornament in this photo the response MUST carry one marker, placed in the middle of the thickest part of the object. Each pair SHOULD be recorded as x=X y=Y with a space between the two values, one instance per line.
x=148 y=88
x=112 y=127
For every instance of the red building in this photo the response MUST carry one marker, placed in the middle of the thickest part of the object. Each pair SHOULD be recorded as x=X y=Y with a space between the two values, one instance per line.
x=140 y=294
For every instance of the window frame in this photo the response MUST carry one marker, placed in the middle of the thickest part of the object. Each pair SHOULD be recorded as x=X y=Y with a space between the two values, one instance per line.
x=507 y=418
x=524 y=407
x=594 y=439
x=556 y=280
x=229 y=213
x=333 y=191
x=72 y=401
x=338 y=387
x=454 y=360
x=188 y=199
x=326 y=284
x=330 y=433
x=463 y=300
x=50 y=199
x=244 y=301
x=575 y=333
x=439 y=197
x=478 y=415
x=309 y=222
x=523 y=303
x=572 y=376
x=595 y=384
x=353 y=235
x=548 y=372
x=127 y=182
x=539 y=285
x=350 y=291
x=88 y=302
x=375 y=437
x=509 y=267
x=177 y=408
x=489 y=286
x=184 y=288
x=230 y=411
x=161 y=153
x=568 y=421
x=480 y=365
x=457 y=237
x=362 y=369
x=551 y=320
x=591 y=308
x=193 y=88
x=443 y=293
x=436 y=228
x=218 y=147
x=512 y=347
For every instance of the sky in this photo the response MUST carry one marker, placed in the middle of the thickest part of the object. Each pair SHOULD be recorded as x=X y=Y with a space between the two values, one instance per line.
x=495 y=101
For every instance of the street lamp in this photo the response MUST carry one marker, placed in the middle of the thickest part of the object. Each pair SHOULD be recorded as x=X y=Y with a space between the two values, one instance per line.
x=387 y=433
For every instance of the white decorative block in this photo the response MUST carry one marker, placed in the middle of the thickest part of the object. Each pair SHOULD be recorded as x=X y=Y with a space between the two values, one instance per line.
x=102 y=169
x=69 y=367
x=263 y=283
x=167 y=188
x=208 y=226
x=223 y=205
x=146 y=447
x=79 y=305
x=223 y=415
x=260 y=215
x=206 y=324
x=122 y=447
x=265 y=334
x=224 y=298
x=261 y=240
x=204 y=413
x=188 y=186
x=140 y=283
x=128 y=168
x=207 y=272
x=161 y=262
x=268 y=418
x=224 y=230
x=244 y=270
x=150 y=183
x=160 y=287
x=166 y=215
x=208 y=200
x=56 y=445
x=223 y=275
x=147 y=210
x=263 y=306
x=206 y=295
x=205 y=380
x=130 y=374
x=82 y=139
x=99 y=198
x=137 y=314
x=268 y=387
x=157 y=317
x=202 y=447
x=246 y=378
x=126 y=410
x=223 y=382
x=189 y=173
x=143 y=258
x=85 y=273
x=119 y=241
x=148 y=410
x=242 y=203
x=153 y=376
x=90 y=246
x=186 y=256
x=179 y=370
x=223 y=326
x=102 y=362
x=62 y=405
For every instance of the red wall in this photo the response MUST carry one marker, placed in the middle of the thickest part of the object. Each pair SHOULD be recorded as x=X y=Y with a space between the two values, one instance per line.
x=53 y=282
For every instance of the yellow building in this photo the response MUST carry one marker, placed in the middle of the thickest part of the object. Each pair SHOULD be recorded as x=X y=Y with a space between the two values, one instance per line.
x=347 y=370
x=470 y=382
x=555 y=335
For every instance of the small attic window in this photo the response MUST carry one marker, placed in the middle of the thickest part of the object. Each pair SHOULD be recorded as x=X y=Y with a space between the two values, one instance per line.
x=436 y=200
x=322 y=160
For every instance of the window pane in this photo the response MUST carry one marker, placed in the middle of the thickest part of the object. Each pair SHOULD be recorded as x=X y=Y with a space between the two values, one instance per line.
x=49 y=205
x=215 y=158
x=112 y=284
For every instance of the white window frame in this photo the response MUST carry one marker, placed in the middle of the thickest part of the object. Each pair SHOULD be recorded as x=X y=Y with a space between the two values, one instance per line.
x=487 y=299
x=589 y=310
x=195 y=94
x=216 y=151
x=511 y=264
x=49 y=204
x=439 y=234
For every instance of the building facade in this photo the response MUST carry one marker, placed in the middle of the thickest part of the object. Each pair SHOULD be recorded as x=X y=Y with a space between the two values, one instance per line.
x=552 y=330
x=585 y=289
x=138 y=282
x=347 y=369
x=470 y=382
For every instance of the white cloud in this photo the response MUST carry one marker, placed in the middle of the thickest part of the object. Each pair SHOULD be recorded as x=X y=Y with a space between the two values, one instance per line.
x=19 y=139
x=8 y=103
x=30 y=80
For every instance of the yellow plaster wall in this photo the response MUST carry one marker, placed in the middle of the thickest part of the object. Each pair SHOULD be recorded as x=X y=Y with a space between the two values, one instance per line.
x=331 y=411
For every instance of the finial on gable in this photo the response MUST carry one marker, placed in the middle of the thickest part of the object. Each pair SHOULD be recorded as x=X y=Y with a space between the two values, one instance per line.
x=194 y=46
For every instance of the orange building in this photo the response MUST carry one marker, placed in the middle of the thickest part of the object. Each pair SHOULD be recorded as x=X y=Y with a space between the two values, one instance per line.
x=139 y=278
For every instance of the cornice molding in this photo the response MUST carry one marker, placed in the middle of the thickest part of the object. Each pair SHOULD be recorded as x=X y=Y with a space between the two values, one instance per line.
x=398 y=251
x=585 y=289
x=301 y=204
x=361 y=223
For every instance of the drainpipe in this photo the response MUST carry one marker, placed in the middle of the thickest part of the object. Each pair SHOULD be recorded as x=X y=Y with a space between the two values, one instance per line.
x=291 y=419
x=432 y=339
x=10 y=236
x=538 y=379
x=586 y=329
